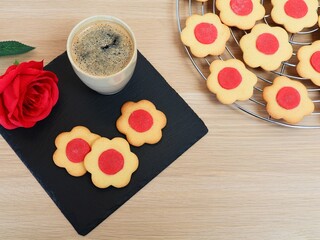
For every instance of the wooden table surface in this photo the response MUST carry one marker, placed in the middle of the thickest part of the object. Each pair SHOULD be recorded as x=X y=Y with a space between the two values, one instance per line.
x=246 y=179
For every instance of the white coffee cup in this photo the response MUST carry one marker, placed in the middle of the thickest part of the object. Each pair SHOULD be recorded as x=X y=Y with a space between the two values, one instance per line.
x=108 y=84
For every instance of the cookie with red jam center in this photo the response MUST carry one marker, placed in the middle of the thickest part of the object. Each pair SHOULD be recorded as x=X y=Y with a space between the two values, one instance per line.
x=72 y=147
x=288 y=100
x=111 y=162
x=141 y=122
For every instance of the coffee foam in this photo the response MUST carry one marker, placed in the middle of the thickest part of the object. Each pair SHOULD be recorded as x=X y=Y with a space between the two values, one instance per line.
x=102 y=48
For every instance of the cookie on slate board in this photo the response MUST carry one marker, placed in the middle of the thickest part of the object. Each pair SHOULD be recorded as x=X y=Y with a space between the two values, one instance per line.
x=141 y=122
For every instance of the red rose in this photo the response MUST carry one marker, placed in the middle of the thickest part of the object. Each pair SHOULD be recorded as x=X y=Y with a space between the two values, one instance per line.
x=27 y=94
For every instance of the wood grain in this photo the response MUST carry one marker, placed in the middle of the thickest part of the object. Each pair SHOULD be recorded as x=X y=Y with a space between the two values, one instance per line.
x=246 y=179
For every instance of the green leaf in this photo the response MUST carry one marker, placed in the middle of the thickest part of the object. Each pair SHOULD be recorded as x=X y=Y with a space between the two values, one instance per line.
x=13 y=48
x=16 y=62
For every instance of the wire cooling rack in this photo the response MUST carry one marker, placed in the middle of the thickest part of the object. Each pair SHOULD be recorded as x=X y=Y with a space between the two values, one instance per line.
x=255 y=106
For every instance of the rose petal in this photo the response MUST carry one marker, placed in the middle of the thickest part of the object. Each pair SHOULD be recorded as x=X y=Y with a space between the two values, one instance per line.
x=9 y=69
x=31 y=65
x=4 y=121
x=29 y=68
x=51 y=75
x=7 y=78
x=54 y=87
x=29 y=78
x=11 y=95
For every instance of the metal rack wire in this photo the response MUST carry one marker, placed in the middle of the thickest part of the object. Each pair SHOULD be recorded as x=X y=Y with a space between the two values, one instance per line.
x=255 y=106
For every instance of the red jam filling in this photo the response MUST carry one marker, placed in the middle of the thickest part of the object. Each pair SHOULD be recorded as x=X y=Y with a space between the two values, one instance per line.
x=315 y=61
x=140 y=120
x=267 y=43
x=111 y=161
x=288 y=98
x=77 y=149
x=229 y=78
x=206 y=33
x=296 y=8
x=241 y=7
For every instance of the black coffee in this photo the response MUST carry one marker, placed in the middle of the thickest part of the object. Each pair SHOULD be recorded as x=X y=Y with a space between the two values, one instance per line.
x=103 y=48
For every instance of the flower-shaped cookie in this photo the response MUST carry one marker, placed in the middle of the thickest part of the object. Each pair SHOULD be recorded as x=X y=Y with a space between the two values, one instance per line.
x=111 y=162
x=287 y=99
x=309 y=62
x=205 y=35
x=266 y=47
x=230 y=81
x=242 y=14
x=72 y=147
x=295 y=15
x=141 y=122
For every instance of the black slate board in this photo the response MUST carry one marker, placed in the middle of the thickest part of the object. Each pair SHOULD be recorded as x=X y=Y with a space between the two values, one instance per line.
x=84 y=205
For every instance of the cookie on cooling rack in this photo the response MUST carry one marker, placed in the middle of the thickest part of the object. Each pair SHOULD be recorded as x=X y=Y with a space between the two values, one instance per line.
x=72 y=147
x=141 y=122
x=111 y=163
x=241 y=14
x=266 y=47
x=288 y=100
x=309 y=62
x=295 y=15
x=230 y=81
x=205 y=35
